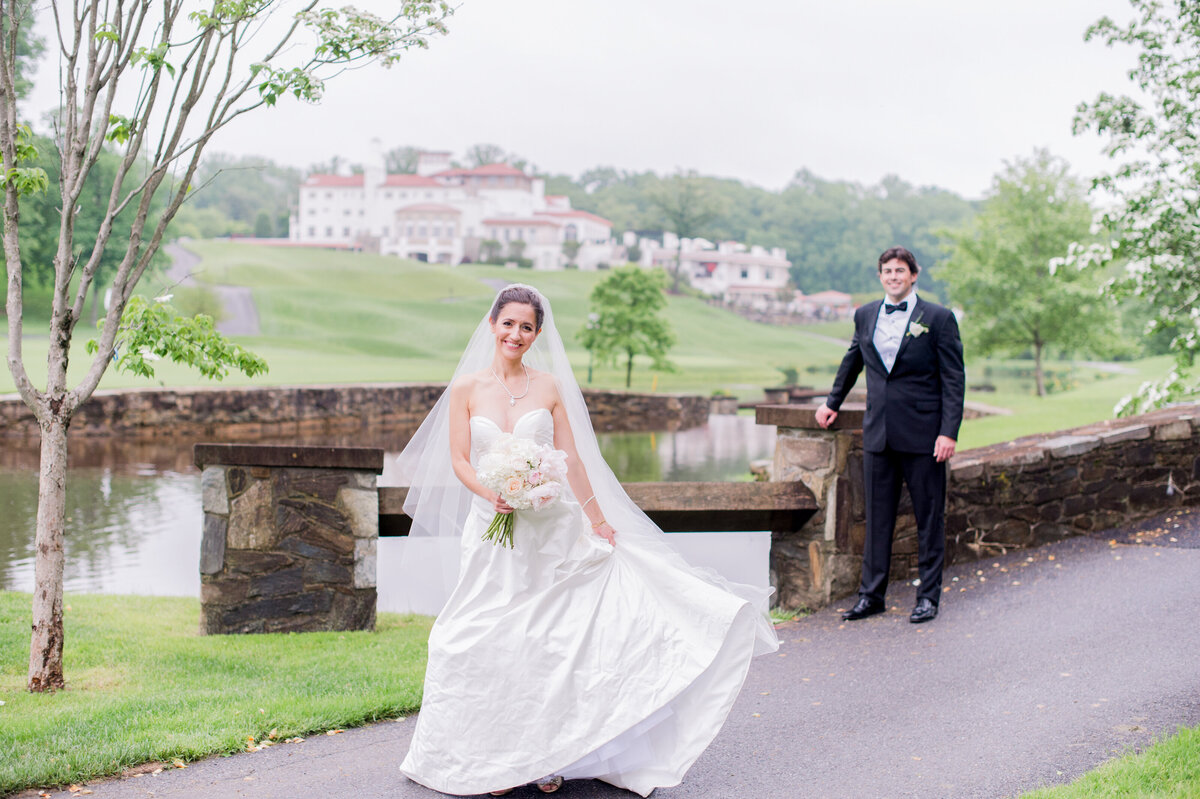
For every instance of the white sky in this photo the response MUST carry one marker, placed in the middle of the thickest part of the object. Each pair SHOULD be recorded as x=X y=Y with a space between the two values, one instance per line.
x=939 y=92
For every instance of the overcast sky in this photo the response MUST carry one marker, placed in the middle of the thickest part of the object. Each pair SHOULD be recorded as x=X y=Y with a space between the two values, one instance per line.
x=939 y=92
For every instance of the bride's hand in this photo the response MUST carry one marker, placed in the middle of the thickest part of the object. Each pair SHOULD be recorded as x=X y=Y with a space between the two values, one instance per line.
x=606 y=531
x=500 y=506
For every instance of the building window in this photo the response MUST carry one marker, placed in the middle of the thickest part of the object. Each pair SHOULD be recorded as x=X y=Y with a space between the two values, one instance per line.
x=450 y=231
x=428 y=195
x=385 y=230
x=361 y=212
x=506 y=234
x=421 y=230
x=532 y=234
x=745 y=273
x=346 y=212
x=387 y=195
x=437 y=231
x=312 y=211
x=410 y=231
x=571 y=233
x=345 y=231
x=328 y=195
x=312 y=231
x=508 y=180
x=329 y=232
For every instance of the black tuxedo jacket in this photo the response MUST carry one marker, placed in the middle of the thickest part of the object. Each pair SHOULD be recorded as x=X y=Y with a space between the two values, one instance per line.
x=922 y=397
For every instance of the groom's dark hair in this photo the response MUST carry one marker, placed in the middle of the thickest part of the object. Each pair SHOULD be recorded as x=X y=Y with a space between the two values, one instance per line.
x=523 y=295
x=899 y=254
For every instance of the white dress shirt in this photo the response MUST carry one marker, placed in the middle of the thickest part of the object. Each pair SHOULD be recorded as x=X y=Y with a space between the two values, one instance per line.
x=890 y=327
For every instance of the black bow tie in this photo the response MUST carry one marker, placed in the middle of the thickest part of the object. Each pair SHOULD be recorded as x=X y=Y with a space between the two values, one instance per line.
x=891 y=308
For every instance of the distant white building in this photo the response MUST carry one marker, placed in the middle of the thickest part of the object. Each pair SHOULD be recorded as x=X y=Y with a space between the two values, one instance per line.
x=739 y=275
x=444 y=215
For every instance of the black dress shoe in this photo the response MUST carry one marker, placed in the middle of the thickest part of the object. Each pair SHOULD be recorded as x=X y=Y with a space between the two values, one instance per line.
x=863 y=608
x=925 y=610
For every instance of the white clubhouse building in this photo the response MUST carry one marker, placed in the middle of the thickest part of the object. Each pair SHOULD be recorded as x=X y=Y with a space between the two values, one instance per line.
x=449 y=215
x=443 y=215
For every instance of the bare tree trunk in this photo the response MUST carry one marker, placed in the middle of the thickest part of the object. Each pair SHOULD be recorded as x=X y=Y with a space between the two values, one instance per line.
x=629 y=371
x=46 y=644
x=95 y=301
x=1037 y=369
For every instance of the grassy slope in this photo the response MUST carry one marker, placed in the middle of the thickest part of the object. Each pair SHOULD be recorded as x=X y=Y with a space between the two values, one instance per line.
x=330 y=317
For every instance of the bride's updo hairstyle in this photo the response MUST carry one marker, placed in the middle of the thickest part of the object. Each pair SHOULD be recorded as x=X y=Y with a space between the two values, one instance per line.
x=523 y=295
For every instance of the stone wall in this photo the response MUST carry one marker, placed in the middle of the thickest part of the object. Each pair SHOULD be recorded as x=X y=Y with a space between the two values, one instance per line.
x=1022 y=493
x=1034 y=490
x=243 y=414
x=289 y=540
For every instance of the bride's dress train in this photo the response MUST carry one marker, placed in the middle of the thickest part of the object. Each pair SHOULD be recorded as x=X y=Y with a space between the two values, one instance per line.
x=568 y=656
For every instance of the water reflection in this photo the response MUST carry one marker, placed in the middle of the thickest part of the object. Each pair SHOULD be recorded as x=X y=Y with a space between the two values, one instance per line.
x=134 y=516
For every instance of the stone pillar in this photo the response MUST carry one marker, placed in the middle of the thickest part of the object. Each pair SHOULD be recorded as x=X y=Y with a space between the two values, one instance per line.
x=822 y=561
x=289 y=539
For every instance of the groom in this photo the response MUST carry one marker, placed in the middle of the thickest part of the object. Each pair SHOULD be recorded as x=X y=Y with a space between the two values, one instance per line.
x=915 y=389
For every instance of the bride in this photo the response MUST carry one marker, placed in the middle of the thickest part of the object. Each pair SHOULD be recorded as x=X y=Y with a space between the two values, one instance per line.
x=590 y=649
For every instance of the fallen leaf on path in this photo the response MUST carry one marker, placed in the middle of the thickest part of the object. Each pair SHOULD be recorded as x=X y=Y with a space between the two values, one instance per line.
x=333 y=732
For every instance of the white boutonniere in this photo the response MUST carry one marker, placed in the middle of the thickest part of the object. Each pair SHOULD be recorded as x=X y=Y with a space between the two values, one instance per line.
x=916 y=328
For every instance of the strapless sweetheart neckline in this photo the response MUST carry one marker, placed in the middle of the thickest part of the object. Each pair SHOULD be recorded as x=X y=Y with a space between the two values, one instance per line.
x=519 y=419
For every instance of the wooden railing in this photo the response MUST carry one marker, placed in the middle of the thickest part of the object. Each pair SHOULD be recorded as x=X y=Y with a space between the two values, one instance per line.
x=677 y=507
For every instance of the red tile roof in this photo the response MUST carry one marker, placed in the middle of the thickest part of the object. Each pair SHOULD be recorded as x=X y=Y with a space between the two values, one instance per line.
x=411 y=180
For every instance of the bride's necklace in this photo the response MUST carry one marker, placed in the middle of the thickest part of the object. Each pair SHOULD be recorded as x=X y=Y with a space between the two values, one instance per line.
x=512 y=398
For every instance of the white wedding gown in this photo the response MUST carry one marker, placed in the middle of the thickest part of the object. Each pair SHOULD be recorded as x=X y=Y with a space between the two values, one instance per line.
x=566 y=655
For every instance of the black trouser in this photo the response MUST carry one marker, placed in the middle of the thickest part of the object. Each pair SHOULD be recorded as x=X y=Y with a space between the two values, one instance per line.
x=926 y=480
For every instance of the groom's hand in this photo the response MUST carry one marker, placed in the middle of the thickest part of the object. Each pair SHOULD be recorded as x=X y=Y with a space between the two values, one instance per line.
x=826 y=416
x=943 y=448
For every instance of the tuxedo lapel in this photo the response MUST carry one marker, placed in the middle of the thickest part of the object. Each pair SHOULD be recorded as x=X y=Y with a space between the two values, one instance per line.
x=869 y=348
x=917 y=315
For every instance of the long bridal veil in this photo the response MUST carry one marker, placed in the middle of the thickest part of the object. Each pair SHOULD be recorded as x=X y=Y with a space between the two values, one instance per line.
x=438 y=503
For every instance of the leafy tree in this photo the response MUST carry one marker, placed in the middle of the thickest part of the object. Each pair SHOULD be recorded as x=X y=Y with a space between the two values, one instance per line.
x=626 y=319
x=41 y=215
x=571 y=249
x=157 y=83
x=483 y=154
x=238 y=188
x=401 y=160
x=516 y=249
x=1156 y=183
x=687 y=209
x=490 y=250
x=1000 y=267
x=262 y=225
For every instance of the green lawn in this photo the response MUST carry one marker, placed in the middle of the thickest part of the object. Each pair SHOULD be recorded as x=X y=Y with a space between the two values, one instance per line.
x=335 y=317
x=144 y=686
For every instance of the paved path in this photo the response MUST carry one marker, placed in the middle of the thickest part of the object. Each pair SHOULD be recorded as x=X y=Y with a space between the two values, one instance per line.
x=241 y=314
x=1042 y=665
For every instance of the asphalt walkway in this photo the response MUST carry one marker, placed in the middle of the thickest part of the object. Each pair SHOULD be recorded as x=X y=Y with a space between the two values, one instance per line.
x=1042 y=665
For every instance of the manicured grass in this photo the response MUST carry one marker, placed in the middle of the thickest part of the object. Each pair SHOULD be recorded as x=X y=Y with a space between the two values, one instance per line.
x=337 y=317
x=330 y=316
x=1091 y=400
x=1168 y=770
x=144 y=686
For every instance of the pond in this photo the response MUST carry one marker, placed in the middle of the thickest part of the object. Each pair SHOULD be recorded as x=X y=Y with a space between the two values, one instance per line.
x=134 y=517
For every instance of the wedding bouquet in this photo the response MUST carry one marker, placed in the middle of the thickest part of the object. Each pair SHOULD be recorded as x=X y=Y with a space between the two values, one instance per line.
x=527 y=475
